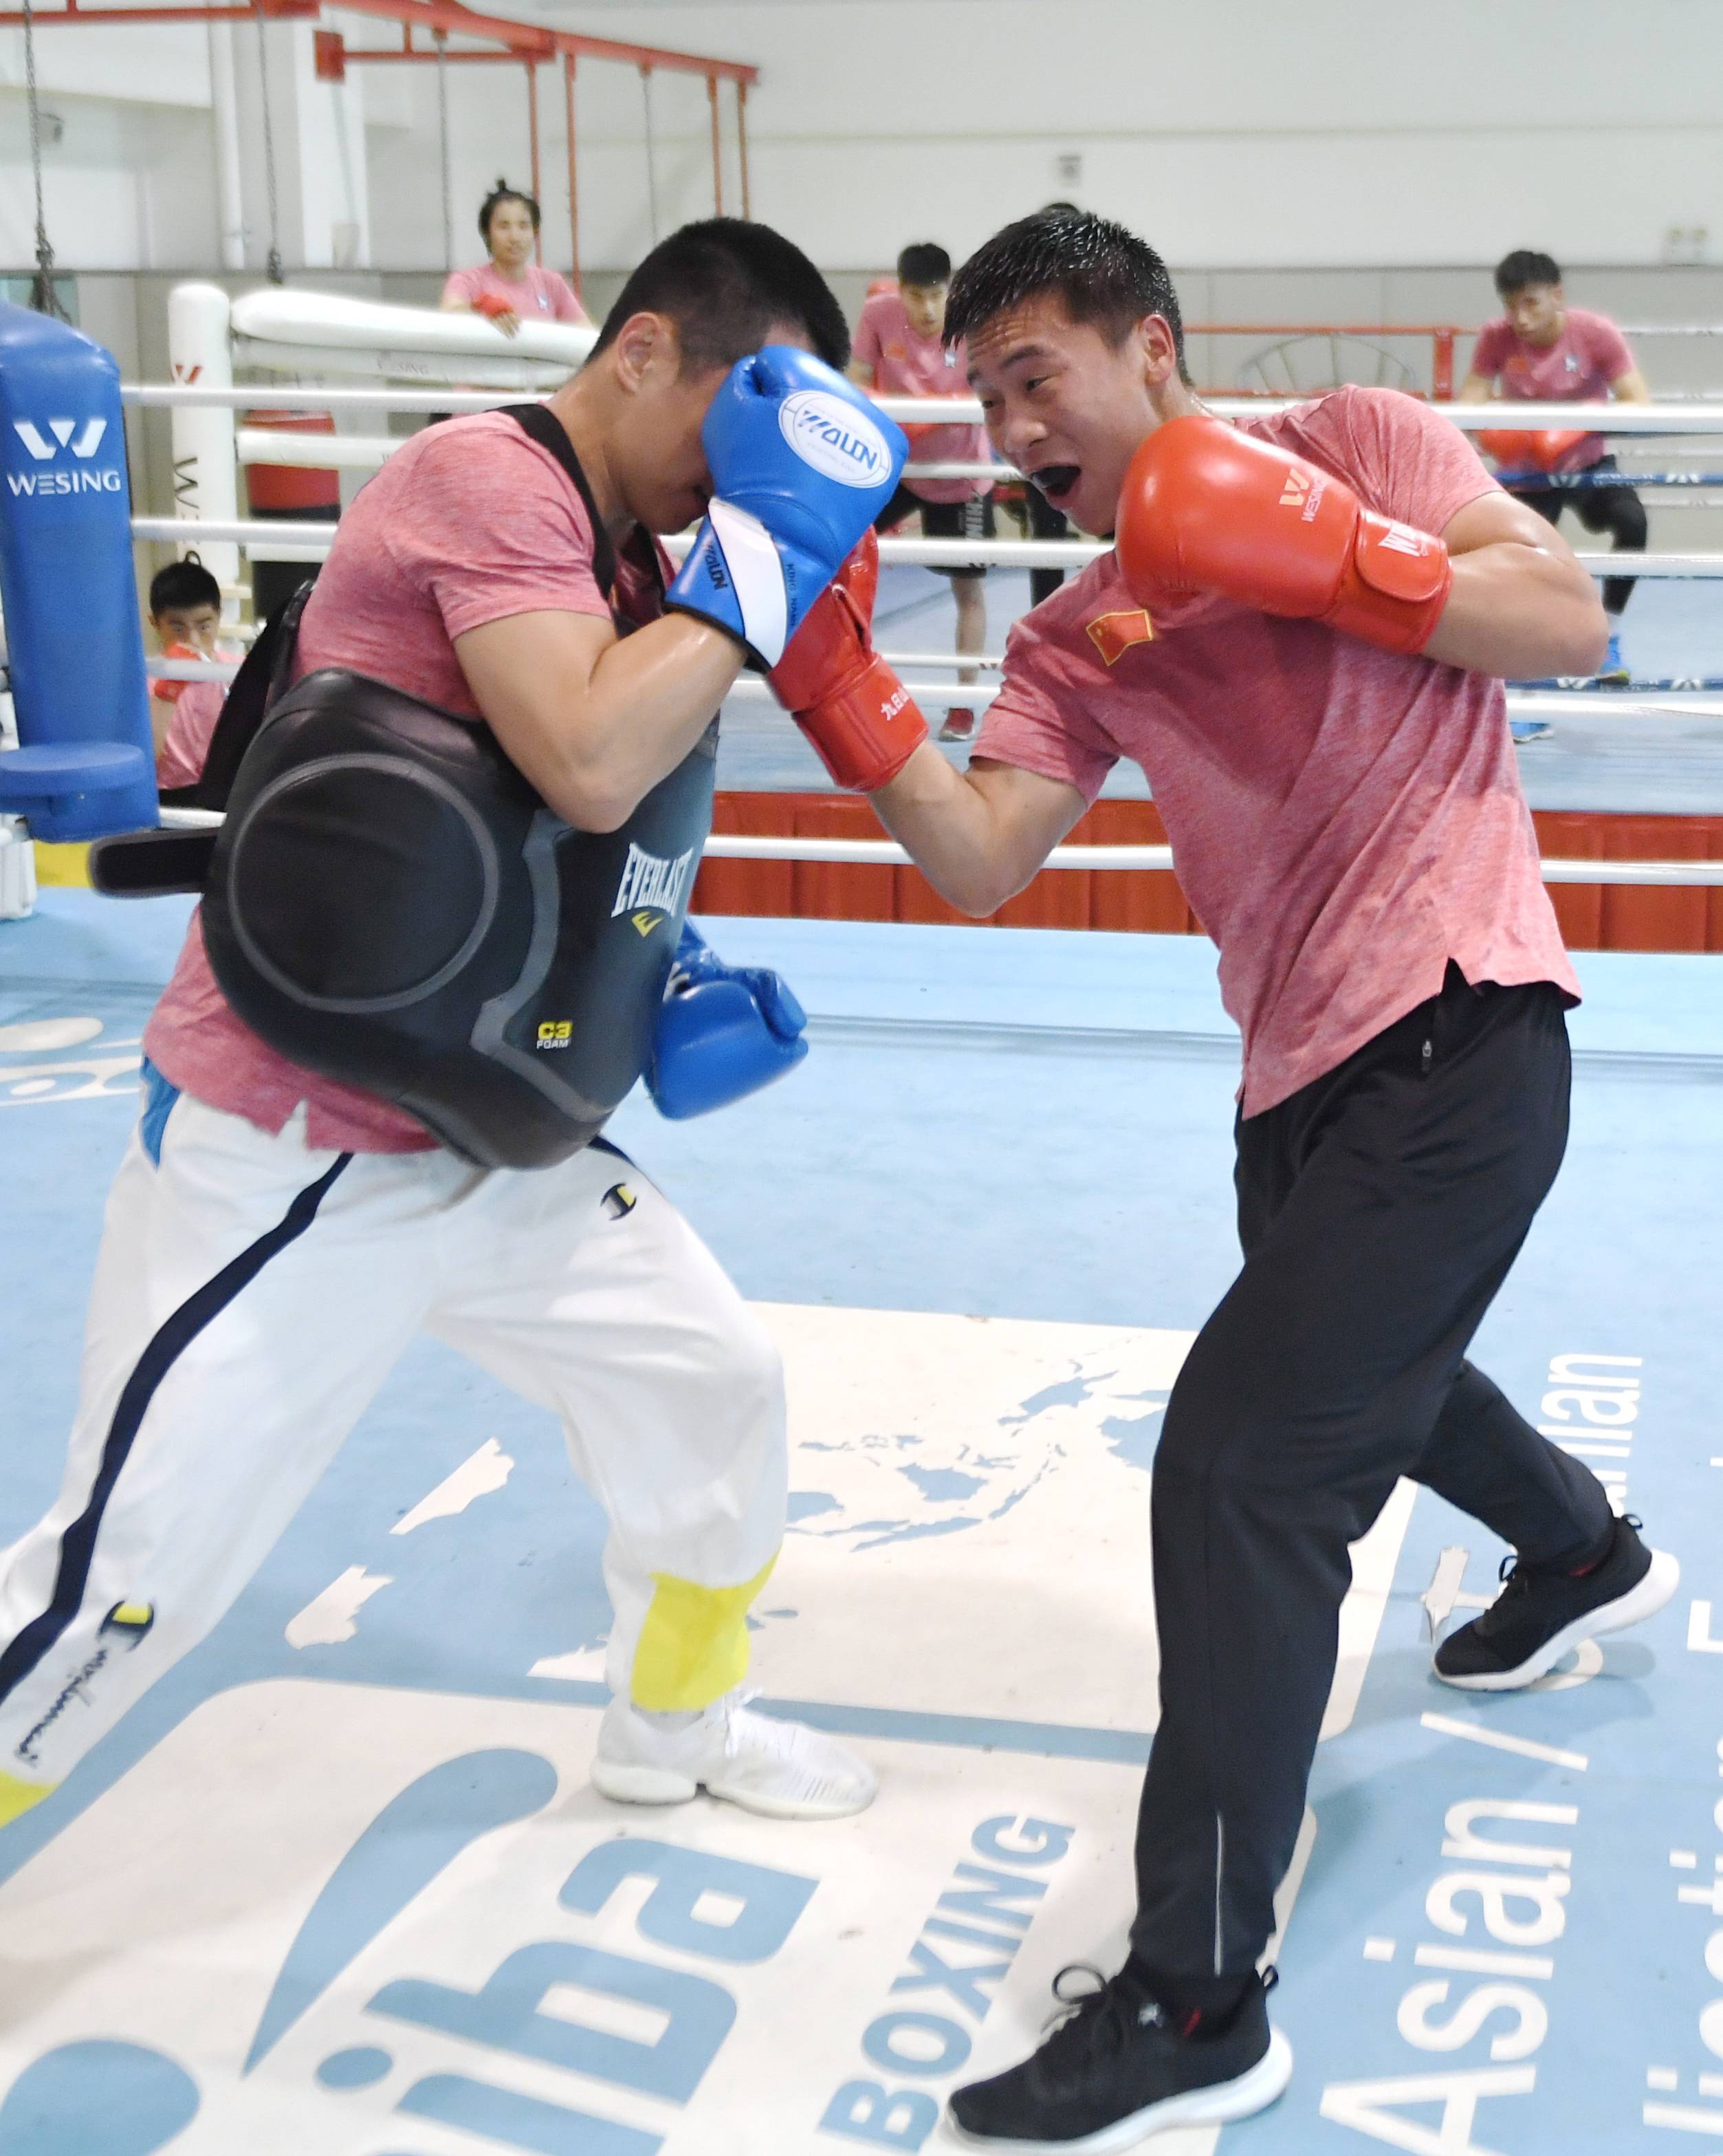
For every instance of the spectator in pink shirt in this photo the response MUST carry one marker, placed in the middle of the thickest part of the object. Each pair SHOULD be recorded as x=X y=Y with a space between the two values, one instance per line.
x=1539 y=350
x=900 y=352
x=512 y=287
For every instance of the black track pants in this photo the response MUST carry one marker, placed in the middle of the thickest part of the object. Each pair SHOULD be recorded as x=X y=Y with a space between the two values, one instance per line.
x=1616 y=509
x=1379 y=1209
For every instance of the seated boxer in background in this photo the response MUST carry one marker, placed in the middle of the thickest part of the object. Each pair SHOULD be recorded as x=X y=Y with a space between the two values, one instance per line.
x=274 y=1240
x=186 y=613
x=1300 y=636
x=900 y=352
x=1539 y=350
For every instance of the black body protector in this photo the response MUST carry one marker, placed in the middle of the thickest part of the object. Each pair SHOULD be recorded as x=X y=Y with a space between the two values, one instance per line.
x=390 y=904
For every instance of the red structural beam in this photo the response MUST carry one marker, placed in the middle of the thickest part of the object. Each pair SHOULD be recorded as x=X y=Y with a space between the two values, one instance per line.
x=524 y=40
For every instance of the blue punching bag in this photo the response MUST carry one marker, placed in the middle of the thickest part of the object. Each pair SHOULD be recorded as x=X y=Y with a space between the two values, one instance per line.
x=84 y=764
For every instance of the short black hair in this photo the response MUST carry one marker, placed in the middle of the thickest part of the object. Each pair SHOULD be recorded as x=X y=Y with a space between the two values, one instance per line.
x=1104 y=275
x=501 y=193
x=1526 y=266
x=727 y=284
x=185 y=583
x=924 y=263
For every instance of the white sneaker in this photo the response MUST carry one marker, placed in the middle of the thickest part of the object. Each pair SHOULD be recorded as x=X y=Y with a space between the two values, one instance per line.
x=783 y=1770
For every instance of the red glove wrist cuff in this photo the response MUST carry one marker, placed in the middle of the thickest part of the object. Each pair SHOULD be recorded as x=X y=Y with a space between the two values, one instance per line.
x=1398 y=586
x=866 y=730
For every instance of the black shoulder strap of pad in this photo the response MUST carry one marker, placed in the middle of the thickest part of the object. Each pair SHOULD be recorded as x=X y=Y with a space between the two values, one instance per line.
x=261 y=679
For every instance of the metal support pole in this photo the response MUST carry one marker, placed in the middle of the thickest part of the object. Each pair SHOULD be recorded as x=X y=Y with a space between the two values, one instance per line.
x=651 y=151
x=1442 y=387
x=442 y=39
x=741 y=137
x=538 y=236
x=573 y=182
x=717 y=148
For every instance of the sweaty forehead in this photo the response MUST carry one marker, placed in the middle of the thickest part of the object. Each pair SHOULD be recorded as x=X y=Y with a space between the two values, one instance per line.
x=1017 y=331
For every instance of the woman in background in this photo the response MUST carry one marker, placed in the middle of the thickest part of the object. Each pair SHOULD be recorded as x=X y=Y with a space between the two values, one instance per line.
x=511 y=288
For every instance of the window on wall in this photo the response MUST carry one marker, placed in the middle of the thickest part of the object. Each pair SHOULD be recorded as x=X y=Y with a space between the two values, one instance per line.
x=16 y=290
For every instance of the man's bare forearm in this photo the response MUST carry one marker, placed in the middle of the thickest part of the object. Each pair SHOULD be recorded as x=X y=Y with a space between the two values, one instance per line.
x=978 y=837
x=594 y=722
x=651 y=697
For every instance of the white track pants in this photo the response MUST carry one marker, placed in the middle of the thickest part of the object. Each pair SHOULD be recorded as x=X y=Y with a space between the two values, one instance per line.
x=250 y=1297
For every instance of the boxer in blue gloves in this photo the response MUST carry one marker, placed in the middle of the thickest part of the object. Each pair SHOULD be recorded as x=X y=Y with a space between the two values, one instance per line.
x=493 y=605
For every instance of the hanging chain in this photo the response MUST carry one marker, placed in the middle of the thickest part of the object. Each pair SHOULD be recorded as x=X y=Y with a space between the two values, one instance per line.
x=43 y=296
x=276 y=275
x=442 y=37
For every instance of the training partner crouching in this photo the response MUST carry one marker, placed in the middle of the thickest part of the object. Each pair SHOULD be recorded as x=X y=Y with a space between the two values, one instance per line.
x=1301 y=637
x=274 y=1238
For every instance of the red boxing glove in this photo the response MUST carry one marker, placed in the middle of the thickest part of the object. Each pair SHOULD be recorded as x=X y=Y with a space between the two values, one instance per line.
x=493 y=305
x=1508 y=447
x=1537 y=449
x=1550 y=445
x=170 y=692
x=1205 y=508
x=860 y=717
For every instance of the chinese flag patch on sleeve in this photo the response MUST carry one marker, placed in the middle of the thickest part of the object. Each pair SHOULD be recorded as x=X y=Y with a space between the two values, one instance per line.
x=1113 y=634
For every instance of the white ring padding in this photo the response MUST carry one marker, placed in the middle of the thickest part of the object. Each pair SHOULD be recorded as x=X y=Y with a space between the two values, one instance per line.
x=277 y=314
x=732 y=846
x=285 y=397
x=310 y=540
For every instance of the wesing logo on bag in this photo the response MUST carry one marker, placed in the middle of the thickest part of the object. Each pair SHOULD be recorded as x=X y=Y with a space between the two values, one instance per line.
x=82 y=442
x=835 y=439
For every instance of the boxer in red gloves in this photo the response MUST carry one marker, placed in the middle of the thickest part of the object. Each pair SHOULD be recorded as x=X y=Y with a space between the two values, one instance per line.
x=1539 y=349
x=1300 y=636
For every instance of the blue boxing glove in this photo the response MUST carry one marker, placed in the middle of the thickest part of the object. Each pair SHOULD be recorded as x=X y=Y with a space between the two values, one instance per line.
x=802 y=462
x=722 y=1032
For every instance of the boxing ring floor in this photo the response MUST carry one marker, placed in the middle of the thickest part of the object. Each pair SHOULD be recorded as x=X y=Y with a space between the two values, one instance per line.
x=338 y=1885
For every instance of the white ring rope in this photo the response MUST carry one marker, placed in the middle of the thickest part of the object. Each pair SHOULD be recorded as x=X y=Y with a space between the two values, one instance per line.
x=1604 y=419
x=1532 y=703
x=881 y=853
x=308 y=541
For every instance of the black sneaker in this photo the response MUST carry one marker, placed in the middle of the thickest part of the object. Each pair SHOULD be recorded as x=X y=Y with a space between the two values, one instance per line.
x=1113 y=2070
x=1541 y=1614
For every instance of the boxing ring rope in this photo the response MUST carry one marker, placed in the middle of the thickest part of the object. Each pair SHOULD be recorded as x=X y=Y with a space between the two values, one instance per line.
x=316 y=540
x=295 y=332
x=883 y=853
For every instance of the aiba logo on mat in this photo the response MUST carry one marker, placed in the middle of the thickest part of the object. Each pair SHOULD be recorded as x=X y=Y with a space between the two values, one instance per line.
x=81 y=441
x=432 y=1925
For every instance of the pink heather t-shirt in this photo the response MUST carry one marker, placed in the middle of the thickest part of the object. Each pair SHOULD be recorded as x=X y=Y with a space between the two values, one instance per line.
x=186 y=743
x=542 y=295
x=906 y=365
x=1590 y=353
x=471 y=521
x=1344 y=820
